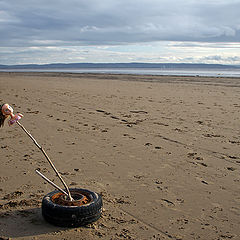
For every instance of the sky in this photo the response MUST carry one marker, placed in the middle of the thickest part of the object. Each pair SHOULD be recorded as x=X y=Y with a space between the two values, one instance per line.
x=100 y=31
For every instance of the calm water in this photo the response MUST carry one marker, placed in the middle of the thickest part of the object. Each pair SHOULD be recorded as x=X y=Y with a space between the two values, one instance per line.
x=141 y=71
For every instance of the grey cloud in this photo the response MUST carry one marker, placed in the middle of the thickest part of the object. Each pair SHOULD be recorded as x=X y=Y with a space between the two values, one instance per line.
x=78 y=22
x=218 y=58
x=211 y=45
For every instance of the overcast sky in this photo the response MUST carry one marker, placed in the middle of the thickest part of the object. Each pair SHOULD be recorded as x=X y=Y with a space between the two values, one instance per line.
x=50 y=31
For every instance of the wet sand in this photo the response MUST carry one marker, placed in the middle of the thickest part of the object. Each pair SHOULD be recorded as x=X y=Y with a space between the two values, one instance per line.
x=162 y=151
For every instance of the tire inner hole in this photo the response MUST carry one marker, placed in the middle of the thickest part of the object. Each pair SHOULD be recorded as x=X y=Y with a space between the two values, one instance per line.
x=79 y=199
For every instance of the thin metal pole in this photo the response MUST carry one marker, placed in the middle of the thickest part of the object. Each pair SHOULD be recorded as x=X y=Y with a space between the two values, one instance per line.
x=48 y=159
x=52 y=183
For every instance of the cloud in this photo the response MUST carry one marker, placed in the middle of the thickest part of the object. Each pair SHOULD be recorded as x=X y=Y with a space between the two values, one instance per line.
x=220 y=59
x=178 y=52
x=119 y=31
x=80 y=22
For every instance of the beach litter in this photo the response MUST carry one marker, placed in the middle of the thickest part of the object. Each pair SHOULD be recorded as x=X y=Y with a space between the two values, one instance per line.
x=69 y=207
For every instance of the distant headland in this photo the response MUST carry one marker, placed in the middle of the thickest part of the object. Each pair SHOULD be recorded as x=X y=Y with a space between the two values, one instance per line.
x=121 y=65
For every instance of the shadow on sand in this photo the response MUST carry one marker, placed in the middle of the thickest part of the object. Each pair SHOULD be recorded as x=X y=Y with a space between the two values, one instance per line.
x=23 y=223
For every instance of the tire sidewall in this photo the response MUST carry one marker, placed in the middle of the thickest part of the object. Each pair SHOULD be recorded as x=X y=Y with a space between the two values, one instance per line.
x=71 y=216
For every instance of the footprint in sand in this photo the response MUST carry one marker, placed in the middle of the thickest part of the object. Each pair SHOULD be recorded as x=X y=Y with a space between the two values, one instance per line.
x=147 y=144
x=12 y=195
x=167 y=203
x=3 y=179
x=231 y=168
x=198 y=160
x=127 y=135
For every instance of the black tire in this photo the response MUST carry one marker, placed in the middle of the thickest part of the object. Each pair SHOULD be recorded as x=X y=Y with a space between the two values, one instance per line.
x=72 y=216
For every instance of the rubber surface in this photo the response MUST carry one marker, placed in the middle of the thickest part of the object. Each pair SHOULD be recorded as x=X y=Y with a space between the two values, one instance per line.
x=72 y=216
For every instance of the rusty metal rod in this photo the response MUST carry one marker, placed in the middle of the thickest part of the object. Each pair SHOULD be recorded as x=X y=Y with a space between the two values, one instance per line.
x=48 y=159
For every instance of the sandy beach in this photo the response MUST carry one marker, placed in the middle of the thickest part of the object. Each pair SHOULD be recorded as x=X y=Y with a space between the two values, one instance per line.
x=163 y=152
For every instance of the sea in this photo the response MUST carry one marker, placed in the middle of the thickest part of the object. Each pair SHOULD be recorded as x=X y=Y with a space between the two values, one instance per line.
x=235 y=73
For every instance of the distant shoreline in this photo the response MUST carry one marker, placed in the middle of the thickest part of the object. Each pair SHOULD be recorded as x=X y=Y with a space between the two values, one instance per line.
x=235 y=73
x=167 y=66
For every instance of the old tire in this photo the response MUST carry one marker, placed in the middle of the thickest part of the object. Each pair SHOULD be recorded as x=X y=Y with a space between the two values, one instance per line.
x=72 y=216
